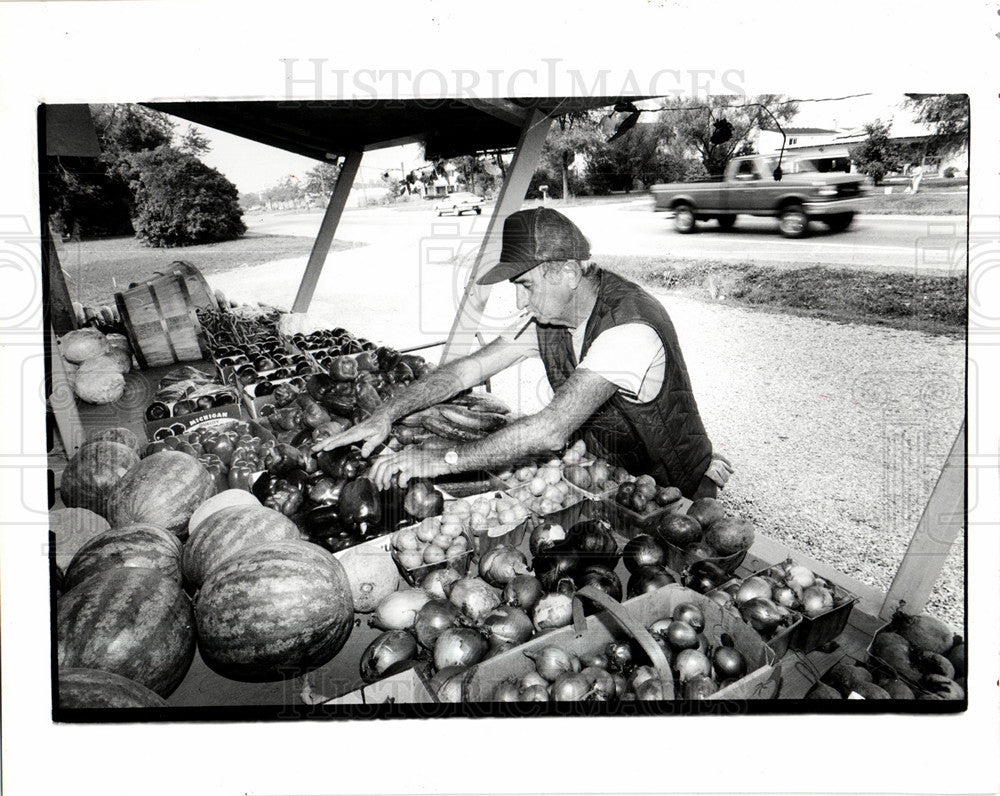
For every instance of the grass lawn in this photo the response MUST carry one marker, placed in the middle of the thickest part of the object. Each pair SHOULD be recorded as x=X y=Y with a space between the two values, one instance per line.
x=97 y=269
x=933 y=202
x=936 y=305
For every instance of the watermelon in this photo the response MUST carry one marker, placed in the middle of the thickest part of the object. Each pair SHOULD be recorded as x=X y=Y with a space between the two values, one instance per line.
x=274 y=611
x=163 y=489
x=93 y=472
x=228 y=531
x=92 y=688
x=129 y=621
x=221 y=500
x=118 y=434
x=73 y=528
x=144 y=546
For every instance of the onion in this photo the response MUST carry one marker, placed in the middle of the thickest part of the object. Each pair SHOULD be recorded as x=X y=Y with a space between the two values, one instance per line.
x=691 y=614
x=650 y=691
x=596 y=659
x=812 y=602
x=659 y=627
x=570 y=687
x=752 y=588
x=640 y=675
x=544 y=536
x=398 y=610
x=641 y=551
x=475 y=597
x=508 y=624
x=438 y=582
x=621 y=687
x=433 y=619
x=691 y=663
x=801 y=575
x=762 y=614
x=681 y=636
x=507 y=691
x=619 y=656
x=389 y=648
x=551 y=662
x=602 y=683
x=502 y=564
x=533 y=678
x=535 y=693
x=459 y=646
x=729 y=663
x=447 y=684
x=524 y=591
x=553 y=610
x=647 y=579
x=602 y=578
x=700 y=687
x=719 y=597
x=785 y=595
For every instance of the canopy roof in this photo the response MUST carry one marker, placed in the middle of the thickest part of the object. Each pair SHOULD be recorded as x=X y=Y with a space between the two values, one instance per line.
x=330 y=128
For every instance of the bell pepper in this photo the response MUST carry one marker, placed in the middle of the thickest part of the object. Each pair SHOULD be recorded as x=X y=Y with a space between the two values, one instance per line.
x=387 y=357
x=344 y=368
x=288 y=418
x=284 y=496
x=222 y=446
x=313 y=415
x=351 y=346
x=401 y=373
x=367 y=361
x=262 y=485
x=240 y=476
x=368 y=397
x=311 y=466
x=156 y=447
x=284 y=394
x=359 y=502
x=280 y=458
x=318 y=385
x=343 y=407
x=323 y=521
x=214 y=465
x=326 y=491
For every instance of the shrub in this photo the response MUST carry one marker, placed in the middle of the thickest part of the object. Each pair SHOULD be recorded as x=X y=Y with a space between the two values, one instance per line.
x=179 y=201
x=949 y=172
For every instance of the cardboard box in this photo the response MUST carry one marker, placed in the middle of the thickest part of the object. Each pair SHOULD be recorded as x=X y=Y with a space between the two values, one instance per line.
x=206 y=418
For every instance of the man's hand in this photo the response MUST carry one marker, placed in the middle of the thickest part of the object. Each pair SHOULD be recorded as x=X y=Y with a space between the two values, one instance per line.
x=410 y=463
x=719 y=469
x=372 y=431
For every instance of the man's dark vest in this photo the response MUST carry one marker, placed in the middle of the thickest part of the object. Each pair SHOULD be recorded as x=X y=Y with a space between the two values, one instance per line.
x=664 y=437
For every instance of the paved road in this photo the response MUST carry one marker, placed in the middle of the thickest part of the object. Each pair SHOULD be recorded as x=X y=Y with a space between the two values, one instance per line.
x=917 y=244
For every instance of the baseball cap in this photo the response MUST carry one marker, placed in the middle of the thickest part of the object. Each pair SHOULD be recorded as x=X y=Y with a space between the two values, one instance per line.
x=535 y=236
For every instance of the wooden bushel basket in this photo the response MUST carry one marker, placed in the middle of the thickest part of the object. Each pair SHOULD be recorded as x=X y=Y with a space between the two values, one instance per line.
x=160 y=316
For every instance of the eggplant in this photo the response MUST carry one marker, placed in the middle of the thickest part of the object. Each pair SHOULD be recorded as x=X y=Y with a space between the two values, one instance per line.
x=359 y=502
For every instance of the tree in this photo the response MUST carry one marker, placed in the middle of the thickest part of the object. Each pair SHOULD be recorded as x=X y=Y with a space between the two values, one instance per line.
x=572 y=134
x=194 y=143
x=878 y=154
x=697 y=124
x=322 y=178
x=947 y=115
x=180 y=201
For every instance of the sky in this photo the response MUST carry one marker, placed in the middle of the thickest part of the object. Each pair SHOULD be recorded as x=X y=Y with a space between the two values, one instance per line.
x=255 y=167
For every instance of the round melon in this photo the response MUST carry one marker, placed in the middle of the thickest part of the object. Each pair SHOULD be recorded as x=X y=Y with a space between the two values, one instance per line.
x=730 y=535
x=92 y=688
x=222 y=500
x=82 y=344
x=163 y=489
x=706 y=511
x=229 y=531
x=274 y=611
x=118 y=434
x=142 y=546
x=93 y=472
x=134 y=622
x=372 y=573
x=73 y=528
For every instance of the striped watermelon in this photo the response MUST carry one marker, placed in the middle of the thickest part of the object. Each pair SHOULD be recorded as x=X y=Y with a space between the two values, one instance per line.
x=274 y=611
x=144 y=546
x=129 y=621
x=93 y=472
x=92 y=688
x=163 y=489
x=119 y=434
x=225 y=499
x=228 y=531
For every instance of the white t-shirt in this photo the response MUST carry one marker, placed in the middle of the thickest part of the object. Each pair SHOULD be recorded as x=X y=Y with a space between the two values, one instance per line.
x=630 y=356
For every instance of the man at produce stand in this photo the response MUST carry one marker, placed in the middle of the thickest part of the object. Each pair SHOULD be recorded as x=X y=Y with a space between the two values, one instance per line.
x=611 y=356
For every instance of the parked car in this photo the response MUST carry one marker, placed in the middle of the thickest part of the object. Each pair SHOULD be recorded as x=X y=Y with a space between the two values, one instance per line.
x=458 y=203
x=751 y=187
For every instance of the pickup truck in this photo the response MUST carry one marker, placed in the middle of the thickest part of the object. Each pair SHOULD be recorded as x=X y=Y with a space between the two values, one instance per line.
x=749 y=187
